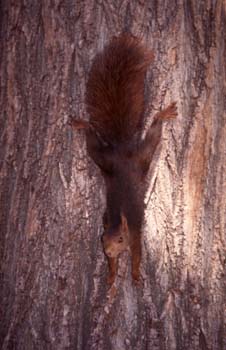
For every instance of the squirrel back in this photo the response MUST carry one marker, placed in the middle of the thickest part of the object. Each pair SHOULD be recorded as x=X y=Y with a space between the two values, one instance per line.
x=115 y=88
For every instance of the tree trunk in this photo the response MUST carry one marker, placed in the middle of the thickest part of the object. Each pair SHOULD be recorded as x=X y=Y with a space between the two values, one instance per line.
x=53 y=271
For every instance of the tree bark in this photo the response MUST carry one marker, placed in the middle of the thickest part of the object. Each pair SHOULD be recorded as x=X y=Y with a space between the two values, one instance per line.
x=52 y=197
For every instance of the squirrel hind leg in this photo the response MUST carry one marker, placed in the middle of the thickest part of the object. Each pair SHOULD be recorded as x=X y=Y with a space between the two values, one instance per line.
x=78 y=124
x=169 y=112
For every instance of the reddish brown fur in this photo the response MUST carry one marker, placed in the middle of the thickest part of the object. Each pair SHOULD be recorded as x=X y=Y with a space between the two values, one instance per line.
x=115 y=102
x=115 y=88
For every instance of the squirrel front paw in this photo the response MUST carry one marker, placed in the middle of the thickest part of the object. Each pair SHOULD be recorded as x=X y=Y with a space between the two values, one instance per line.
x=111 y=279
x=138 y=280
x=136 y=275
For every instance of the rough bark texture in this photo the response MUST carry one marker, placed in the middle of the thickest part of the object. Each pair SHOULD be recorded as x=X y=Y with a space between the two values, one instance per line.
x=53 y=272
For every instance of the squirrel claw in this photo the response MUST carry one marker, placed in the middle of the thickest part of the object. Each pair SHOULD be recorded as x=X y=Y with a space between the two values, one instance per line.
x=172 y=110
x=138 y=281
x=168 y=113
x=136 y=276
x=78 y=123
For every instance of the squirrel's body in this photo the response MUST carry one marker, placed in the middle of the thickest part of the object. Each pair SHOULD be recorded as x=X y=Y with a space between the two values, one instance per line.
x=115 y=103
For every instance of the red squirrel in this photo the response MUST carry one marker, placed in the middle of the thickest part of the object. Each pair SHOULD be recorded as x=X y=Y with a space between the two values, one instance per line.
x=115 y=104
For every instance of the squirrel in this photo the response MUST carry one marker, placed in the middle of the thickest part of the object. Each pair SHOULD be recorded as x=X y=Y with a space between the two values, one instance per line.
x=115 y=104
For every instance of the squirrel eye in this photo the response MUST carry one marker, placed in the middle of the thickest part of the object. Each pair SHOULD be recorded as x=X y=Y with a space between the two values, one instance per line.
x=120 y=240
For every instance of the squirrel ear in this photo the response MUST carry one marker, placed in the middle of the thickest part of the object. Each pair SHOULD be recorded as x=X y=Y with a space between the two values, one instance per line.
x=124 y=223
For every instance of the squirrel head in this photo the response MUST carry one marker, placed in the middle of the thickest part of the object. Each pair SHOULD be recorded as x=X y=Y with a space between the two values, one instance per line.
x=116 y=241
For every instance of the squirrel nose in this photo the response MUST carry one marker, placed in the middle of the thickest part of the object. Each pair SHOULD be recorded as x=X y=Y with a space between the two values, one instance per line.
x=108 y=253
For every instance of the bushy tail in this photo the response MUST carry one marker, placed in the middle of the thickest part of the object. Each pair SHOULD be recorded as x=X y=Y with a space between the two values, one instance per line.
x=115 y=88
